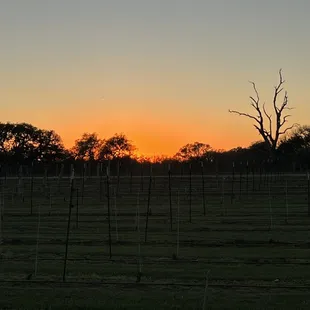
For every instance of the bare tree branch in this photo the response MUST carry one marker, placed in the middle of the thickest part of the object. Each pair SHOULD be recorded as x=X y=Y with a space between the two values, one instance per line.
x=269 y=118
x=289 y=128
x=277 y=91
x=244 y=114
x=284 y=120
x=255 y=89
x=284 y=104
x=272 y=134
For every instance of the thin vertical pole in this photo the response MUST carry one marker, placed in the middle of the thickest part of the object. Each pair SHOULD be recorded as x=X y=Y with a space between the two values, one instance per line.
x=170 y=196
x=232 y=183
x=118 y=176
x=223 y=196
x=139 y=235
x=1 y=211
x=83 y=183
x=240 y=181
x=148 y=204
x=77 y=208
x=109 y=211
x=130 y=180
x=69 y=220
x=31 y=190
x=37 y=245
x=141 y=178
x=286 y=202
x=253 y=178
x=308 y=188
x=270 y=205
x=115 y=214
x=247 y=178
x=203 y=189
x=190 y=192
x=101 y=182
x=178 y=223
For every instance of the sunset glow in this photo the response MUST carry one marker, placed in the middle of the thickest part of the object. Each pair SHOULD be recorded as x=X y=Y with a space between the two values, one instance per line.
x=168 y=71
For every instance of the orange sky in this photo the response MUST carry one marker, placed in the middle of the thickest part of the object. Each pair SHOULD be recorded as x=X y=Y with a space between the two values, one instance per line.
x=154 y=134
x=168 y=70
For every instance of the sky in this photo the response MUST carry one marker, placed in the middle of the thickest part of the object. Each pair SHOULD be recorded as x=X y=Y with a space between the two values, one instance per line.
x=164 y=72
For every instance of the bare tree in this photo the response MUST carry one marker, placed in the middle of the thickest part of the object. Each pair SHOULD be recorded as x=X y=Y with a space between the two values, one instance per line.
x=271 y=131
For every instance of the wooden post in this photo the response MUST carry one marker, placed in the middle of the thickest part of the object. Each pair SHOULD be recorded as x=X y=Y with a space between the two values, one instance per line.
x=286 y=202
x=130 y=178
x=83 y=182
x=270 y=205
x=223 y=197
x=260 y=176
x=308 y=188
x=118 y=176
x=141 y=179
x=37 y=245
x=217 y=173
x=101 y=182
x=190 y=192
x=69 y=220
x=232 y=183
x=1 y=211
x=62 y=167
x=139 y=261
x=148 y=205
x=240 y=181
x=205 y=298
x=178 y=224
x=77 y=209
x=109 y=211
x=203 y=189
x=253 y=176
x=115 y=214
x=31 y=190
x=170 y=196
x=50 y=201
x=247 y=178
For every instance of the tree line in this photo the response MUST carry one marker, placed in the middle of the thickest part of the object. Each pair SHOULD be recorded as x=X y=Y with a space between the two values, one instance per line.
x=280 y=148
x=25 y=144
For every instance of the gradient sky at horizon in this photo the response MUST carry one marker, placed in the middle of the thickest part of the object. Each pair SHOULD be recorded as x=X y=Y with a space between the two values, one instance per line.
x=168 y=70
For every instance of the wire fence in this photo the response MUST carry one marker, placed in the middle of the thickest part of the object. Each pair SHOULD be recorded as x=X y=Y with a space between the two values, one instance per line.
x=248 y=230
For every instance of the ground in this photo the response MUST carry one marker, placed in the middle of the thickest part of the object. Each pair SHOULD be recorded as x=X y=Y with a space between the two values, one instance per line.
x=249 y=252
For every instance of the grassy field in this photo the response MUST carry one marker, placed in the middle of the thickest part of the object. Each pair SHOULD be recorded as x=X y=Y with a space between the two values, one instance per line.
x=252 y=247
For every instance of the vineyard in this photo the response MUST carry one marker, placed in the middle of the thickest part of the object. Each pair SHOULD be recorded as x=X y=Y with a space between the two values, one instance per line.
x=171 y=241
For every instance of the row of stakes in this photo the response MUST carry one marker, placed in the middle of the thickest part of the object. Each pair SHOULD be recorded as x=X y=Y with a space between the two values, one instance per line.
x=72 y=189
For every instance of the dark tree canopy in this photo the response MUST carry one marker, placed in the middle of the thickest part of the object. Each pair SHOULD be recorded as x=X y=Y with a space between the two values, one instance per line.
x=296 y=144
x=87 y=147
x=116 y=147
x=22 y=142
x=48 y=146
x=194 y=151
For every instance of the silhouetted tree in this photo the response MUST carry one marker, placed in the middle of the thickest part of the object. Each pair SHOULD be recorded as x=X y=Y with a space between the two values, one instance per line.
x=48 y=146
x=87 y=147
x=22 y=143
x=296 y=146
x=271 y=131
x=193 y=151
x=116 y=147
x=299 y=138
x=17 y=140
x=257 y=151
